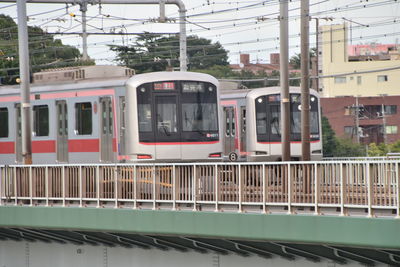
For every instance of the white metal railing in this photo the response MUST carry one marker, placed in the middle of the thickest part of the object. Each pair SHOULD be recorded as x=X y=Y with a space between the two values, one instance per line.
x=361 y=188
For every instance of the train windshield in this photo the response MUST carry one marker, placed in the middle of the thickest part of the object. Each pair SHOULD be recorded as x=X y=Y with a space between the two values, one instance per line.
x=268 y=118
x=184 y=111
x=199 y=107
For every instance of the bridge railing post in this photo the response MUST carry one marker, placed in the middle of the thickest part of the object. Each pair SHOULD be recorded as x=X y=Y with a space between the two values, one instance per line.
x=80 y=186
x=134 y=187
x=398 y=190
x=216 y=192
x=342 y=213
x=174 y=192
x=264 y=189
x=194 y=188
x=115 y=174
x=63 y=185
x=46 y=178
x=15 y=185
x=240 y=186
x=30 y=186
x=289 y=181
x=154 y=186
x=97 y=180
x=316 y=189
x=2 y=183
x=369 y=187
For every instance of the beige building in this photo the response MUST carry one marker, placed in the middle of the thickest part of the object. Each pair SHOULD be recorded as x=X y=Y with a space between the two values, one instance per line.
x=354 y=76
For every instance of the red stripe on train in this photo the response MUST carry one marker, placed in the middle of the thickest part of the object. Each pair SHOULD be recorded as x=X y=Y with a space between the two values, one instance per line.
x=7 y=147
x=292 y=142
x=47 y=146
x=179 y=143
x=83 y=145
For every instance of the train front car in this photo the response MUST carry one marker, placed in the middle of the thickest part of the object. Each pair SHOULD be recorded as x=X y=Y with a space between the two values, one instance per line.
x=264 y=139
x=173 y=116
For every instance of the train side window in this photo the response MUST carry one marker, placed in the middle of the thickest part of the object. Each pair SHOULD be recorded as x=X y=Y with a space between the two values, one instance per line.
x=261 y=116
x=83 y=121
x=3 y=122
x=243 y=118
x=41 y=120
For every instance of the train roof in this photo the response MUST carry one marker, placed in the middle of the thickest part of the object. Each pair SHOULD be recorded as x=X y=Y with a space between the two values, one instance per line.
x=256 y=92
x=75 y=85
x=168 y=76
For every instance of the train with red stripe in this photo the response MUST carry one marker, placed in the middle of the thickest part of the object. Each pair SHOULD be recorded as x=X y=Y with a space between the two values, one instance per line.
x=251 y=124
x=104 y=114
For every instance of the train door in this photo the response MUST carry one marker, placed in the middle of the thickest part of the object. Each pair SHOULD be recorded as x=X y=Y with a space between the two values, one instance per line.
x=167 y=126
x=243 y=135
x=62 y=131
x=122 y=126
x=230 y=133
x=106 y=130
x=18 y=134
x=274 y=126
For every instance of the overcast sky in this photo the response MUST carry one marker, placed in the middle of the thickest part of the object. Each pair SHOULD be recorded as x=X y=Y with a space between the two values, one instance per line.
x=241 y=26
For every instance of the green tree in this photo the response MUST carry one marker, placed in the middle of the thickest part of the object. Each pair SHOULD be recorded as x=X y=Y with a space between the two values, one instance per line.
x=153 y=52
x=346 y=148
x=295 y=60
x=45 y=51
x=329 y=141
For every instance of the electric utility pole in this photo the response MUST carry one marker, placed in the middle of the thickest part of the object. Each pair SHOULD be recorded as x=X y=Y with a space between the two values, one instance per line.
x=83 y=9
x=284 y=79
x=24 y=82
x=305 y=89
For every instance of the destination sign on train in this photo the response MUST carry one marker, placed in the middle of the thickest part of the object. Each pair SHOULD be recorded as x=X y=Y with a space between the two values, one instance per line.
x=192 y=87
x=164 y=86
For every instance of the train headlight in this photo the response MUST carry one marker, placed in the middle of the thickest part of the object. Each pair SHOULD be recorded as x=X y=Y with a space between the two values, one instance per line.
x=312 y=99
x=210 y=89
x=260 y=100
x=142 y=89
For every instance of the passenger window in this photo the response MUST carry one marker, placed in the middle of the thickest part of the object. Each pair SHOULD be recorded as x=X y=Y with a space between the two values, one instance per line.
x=83 y=118
x=3 y=122
x=41 y=120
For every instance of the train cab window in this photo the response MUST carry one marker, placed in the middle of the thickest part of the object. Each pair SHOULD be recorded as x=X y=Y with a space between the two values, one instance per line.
x=314 y=119
x=199 y=111
x=295 y=121
x=3 y=122
x=261 y=116
x=166 y=115
x=41 y=120
x=144 y=109
x=275 y=119
x=83 y=118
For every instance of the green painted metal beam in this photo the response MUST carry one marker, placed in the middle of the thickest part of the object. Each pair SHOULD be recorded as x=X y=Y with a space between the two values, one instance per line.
x=331 y=230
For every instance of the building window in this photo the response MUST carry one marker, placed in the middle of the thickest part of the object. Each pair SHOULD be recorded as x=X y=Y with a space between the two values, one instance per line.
x=340 y=79
x=348 y=130
x=382 y=78
x=3 y=122
x=359 y=80
x=390 y=109
x=41 y=120
x=391 y=129
x=83 y=122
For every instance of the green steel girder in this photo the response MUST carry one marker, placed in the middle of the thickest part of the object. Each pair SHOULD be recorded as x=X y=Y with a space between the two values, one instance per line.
x=366 y=240
x=343 y=231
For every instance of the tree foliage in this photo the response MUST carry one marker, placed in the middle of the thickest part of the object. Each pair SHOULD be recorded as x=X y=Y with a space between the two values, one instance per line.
x=295 y=60
x=382 y=149
x=45 y=51
x=338 y=147
x=154 y=52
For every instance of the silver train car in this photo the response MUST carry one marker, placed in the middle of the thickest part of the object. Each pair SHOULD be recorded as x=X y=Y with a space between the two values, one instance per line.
x=154 y=117
x=173 y=116
x=251 y=124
